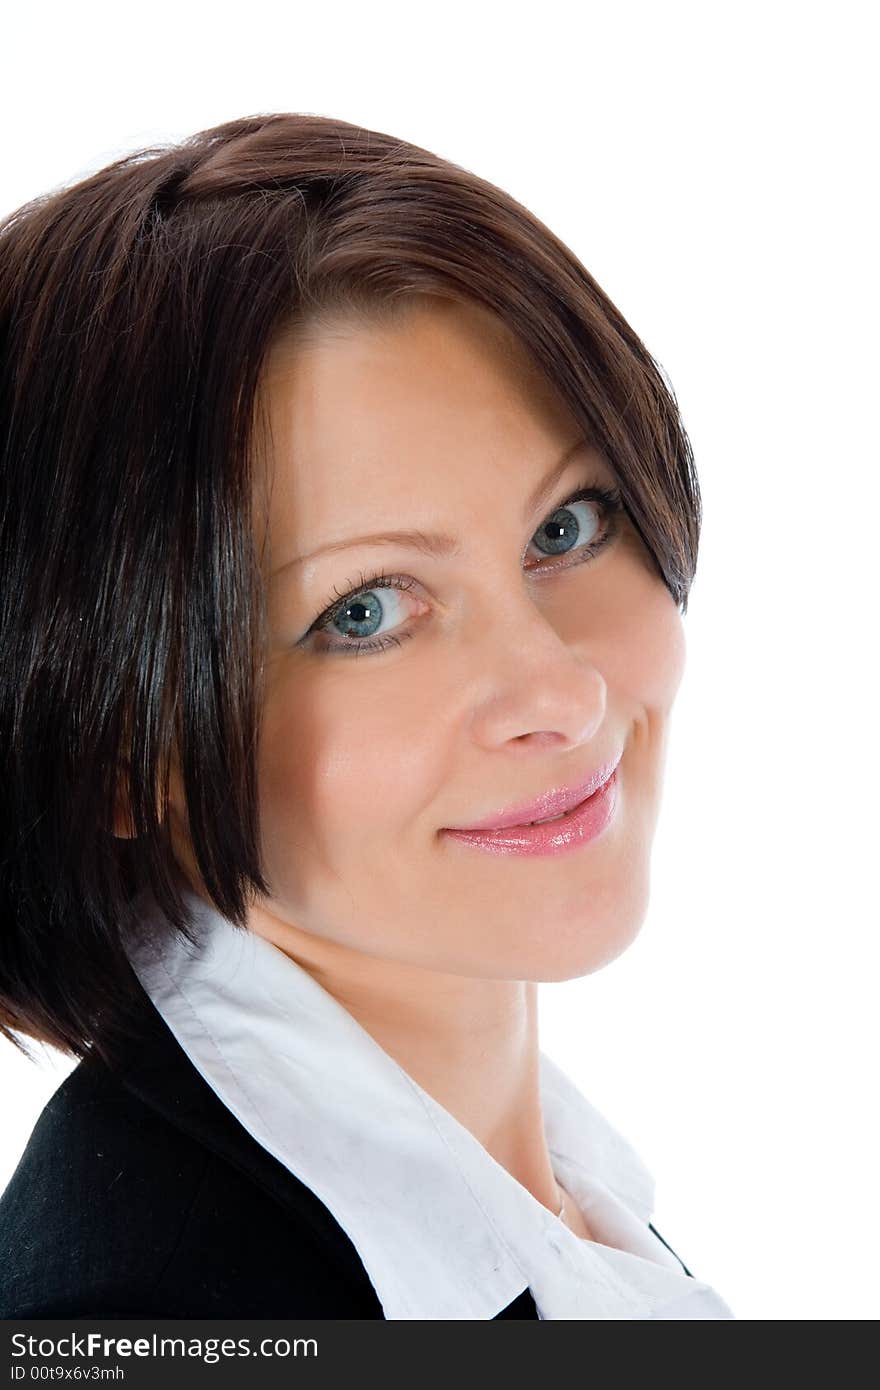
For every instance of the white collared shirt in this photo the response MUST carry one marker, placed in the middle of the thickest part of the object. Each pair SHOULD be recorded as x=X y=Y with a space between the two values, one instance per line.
x=442 y=1229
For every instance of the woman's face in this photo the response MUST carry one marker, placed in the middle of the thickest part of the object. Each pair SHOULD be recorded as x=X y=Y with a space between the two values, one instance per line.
x=507 y=668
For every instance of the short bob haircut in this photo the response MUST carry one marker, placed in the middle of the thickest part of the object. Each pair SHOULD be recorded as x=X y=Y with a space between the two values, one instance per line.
x=137 y=307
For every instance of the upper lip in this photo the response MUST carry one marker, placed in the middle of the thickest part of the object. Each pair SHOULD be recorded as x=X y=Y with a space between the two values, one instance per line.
x=550 y=803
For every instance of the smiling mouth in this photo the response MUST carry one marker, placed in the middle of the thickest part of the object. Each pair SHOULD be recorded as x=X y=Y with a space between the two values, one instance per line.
x=503 y=820
x=547 y=819
x=566 y=815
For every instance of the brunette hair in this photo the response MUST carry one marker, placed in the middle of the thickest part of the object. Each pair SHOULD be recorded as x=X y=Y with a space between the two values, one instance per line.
x=137 y=307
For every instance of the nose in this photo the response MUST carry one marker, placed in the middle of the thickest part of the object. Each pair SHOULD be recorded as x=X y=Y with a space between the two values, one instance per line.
x=534 y=687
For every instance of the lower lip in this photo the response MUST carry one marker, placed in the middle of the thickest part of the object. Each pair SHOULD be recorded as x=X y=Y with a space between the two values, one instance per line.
x=577 y=827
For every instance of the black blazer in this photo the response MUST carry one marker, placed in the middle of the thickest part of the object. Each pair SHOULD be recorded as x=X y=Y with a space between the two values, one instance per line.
x=140 y=1195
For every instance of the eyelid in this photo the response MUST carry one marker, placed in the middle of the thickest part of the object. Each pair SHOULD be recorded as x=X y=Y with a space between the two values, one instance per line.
x=607 y=495
x=367 y=580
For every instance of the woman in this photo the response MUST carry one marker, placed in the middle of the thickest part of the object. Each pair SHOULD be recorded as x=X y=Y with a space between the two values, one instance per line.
x=288 y=392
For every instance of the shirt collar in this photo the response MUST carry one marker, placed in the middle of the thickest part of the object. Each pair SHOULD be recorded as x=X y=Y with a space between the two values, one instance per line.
x=442 y=1229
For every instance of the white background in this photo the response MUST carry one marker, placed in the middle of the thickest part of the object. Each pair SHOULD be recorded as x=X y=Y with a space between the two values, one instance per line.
x=712 y=166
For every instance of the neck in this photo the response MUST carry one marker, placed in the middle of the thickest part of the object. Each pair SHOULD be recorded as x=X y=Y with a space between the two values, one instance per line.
x=471 y=1043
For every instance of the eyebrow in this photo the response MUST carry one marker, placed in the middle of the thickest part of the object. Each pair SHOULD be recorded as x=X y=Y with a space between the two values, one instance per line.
x=438 y=544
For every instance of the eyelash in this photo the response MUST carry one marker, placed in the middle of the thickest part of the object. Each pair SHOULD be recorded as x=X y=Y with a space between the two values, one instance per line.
x=610 y=504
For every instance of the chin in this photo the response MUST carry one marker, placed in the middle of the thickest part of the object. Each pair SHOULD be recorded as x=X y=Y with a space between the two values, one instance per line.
x=546 y=957
x=587 y=961
x=586 y=941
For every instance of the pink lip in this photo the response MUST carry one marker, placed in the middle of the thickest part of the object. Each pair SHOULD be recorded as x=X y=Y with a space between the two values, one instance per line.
x=551 y=803
x=577 y=827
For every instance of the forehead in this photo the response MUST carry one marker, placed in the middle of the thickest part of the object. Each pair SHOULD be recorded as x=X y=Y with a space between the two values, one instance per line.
x=366 y=418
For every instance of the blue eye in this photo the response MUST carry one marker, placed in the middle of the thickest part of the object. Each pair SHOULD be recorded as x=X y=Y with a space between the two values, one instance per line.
x=357 y=615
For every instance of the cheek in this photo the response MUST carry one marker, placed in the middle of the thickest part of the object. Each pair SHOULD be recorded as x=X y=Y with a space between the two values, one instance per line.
x=338 y=758
x=647 y=670
x=644 y=662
